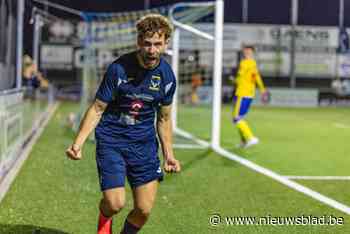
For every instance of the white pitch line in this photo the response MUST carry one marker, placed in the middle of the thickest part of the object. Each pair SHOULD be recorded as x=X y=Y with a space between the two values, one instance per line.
x=289 y=183
x=317 y=177
x=192 y=137
x=188 y=146
x=340 y=125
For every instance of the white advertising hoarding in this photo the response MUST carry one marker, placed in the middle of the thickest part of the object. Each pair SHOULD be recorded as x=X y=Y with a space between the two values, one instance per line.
x=283 y=97
x=315 y=48
x=56 y=57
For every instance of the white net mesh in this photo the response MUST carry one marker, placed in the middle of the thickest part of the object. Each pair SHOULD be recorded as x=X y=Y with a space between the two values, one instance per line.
x=117 y=33
x=112 y=32
x=195 y=69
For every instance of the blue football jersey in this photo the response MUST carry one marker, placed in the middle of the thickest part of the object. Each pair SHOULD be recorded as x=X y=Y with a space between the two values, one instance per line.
x=134 y=94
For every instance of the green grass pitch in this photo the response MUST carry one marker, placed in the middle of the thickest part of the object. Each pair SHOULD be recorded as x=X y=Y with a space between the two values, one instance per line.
x=54 y=195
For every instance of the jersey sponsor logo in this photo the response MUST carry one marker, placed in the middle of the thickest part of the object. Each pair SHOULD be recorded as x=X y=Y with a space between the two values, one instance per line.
x=132 y=117
x=128 y=119
x=155 y=83
x=144 y=97
x=136 y=106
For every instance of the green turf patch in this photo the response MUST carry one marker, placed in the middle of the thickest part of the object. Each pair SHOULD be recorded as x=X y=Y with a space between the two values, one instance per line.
x=55 y=195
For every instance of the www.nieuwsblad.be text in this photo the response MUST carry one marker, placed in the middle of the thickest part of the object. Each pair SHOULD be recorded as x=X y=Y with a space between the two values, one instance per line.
x=302 y=220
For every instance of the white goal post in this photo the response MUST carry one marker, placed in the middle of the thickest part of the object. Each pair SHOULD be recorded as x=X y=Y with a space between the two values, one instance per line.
x=217 y=71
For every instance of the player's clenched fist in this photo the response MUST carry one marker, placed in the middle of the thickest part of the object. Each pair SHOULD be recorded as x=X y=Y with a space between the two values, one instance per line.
x=74 y=152
x=172 y=165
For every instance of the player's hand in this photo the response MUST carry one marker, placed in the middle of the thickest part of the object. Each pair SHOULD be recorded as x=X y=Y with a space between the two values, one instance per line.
x=171 y=165
x=74 y=152
x=265 y=97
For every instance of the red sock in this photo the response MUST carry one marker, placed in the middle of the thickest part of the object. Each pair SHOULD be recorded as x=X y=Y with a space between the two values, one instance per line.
x=104 y=224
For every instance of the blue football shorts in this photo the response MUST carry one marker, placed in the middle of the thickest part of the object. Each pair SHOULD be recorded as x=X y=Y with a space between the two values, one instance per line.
x=241 y=107
x=139 y=162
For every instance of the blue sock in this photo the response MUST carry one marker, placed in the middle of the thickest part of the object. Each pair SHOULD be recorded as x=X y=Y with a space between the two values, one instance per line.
x=129 y=228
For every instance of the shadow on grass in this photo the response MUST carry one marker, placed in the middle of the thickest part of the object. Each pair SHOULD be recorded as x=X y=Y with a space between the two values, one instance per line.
x=190 y=163
x=196 y=159
x=27 y=229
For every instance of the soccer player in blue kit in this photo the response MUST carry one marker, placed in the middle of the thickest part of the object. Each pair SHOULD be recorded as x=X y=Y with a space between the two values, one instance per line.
x=136 y=88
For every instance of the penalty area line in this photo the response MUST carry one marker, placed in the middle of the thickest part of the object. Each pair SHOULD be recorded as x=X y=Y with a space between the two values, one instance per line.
x=295 y=177
x=342 y=126
x=275 y=176
x=291 y=184
x=188 y=146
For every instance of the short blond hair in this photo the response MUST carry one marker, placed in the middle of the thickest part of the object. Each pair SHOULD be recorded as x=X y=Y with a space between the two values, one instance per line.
x=150 y=24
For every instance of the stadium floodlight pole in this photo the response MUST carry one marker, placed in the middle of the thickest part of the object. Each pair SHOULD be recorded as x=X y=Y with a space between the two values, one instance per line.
x=340 y=27
x=294 y=22
x=245 y=8
x=19 y=52
x=341 y=13
x=37 y=37
x=217 y=79
x=146 y=4
x=175 y=66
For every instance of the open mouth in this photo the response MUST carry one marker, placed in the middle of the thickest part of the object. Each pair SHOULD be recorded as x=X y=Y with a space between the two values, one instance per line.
x=151 y=59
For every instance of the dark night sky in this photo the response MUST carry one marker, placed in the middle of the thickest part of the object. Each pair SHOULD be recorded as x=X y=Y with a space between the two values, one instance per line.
x=311 y=12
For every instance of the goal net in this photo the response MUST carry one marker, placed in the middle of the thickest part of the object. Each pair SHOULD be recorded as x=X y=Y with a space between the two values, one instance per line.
x=192 y=54
x=197 y=62
x=106 y=36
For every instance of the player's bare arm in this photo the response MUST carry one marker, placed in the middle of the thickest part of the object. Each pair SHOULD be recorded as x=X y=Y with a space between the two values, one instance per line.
x=91 y=119
x=165 y=133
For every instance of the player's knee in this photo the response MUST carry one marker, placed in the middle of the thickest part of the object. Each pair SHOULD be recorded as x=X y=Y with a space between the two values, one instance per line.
x=143 y=211
x=115 y=205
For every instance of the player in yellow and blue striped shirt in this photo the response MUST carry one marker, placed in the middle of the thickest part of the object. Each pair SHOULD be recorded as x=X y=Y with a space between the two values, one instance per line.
x=247 y=79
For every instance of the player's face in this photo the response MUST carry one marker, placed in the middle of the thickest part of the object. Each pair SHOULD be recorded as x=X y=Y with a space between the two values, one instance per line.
x=151 y=48
x=248 y=53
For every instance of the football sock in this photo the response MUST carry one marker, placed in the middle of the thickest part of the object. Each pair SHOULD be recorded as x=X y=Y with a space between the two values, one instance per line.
x=241 y=136
x=104 y=224
x=243 y=127
x=129 y=228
